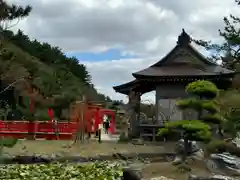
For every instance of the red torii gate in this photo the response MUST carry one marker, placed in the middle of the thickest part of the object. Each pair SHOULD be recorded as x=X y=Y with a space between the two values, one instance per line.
x=93 y=116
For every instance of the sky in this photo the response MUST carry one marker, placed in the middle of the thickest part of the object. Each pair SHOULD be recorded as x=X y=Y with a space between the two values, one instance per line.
x=115 y=38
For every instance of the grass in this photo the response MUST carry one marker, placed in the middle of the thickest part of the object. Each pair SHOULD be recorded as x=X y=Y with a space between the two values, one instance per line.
x=90 y=148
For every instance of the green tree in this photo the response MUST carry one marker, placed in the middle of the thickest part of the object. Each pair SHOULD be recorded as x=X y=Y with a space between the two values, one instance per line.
x=229 y=50
x=11 y=14
x=59 y=79
x=202 y=101
x=229 y=102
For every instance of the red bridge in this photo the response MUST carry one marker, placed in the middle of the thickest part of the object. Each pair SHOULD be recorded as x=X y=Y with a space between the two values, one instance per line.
x=92 y=117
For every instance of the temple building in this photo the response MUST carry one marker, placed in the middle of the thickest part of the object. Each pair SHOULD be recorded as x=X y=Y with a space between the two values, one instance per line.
x=169 y=76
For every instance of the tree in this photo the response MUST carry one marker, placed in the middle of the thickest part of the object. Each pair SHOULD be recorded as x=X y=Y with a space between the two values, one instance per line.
x=202 y=101
x=58 y=79
x=229 y=102
x=229 y=51
x=10 y=15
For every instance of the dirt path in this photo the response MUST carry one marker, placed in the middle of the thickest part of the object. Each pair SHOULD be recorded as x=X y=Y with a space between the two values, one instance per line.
x=166 y=169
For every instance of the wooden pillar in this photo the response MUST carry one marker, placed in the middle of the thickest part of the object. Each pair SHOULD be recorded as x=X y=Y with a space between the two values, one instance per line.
x=97 y=124
x=134 y=113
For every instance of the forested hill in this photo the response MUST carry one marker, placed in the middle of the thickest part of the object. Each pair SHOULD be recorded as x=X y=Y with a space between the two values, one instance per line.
x=57 y=79
x=55 y=58
x=35 y=76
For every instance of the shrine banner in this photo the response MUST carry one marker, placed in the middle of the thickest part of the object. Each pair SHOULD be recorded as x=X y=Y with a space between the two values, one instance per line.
x=50 y=113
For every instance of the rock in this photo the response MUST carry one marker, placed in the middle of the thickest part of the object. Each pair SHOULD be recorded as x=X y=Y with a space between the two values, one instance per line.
x=160 y=178
x=129 y=173
x=212 y=166
x=177 y=160
x=194 y=148
x=214 y=177
x=228 y=163
x=236 y=141
x=30 y=159
x=137 y=142
x=198 y=154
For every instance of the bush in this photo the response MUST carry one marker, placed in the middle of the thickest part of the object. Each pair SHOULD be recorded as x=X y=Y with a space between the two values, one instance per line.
x=216 y=146
x=220 y=146
x=94 y=171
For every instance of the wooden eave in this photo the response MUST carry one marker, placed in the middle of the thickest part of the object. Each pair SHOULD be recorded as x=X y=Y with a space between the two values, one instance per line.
x=141 y=86
x=181 y=68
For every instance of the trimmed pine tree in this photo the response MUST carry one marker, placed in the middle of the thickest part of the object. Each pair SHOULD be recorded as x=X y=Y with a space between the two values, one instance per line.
x=202 y=100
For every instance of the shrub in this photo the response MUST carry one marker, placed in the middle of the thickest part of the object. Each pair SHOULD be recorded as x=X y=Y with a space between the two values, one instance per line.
x=93 y=171
x=220 y=146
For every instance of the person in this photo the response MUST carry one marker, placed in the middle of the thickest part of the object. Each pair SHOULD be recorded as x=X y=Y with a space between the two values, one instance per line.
x=106 y=123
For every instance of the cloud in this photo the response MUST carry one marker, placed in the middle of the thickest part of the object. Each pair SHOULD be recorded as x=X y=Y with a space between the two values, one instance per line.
x=110 y=73
x=145 y=28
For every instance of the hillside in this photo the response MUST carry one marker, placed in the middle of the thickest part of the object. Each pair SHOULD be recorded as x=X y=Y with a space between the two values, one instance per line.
x=57 y=80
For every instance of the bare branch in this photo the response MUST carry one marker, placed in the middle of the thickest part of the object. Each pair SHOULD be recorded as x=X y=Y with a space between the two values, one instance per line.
x=11 y=85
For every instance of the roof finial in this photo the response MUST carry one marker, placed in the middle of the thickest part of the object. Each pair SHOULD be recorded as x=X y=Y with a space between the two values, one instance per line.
x=184 y=38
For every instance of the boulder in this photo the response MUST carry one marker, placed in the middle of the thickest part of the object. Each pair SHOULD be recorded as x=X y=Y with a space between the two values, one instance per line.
x=177 y=160
x=179 y=147
x=30 y=160
x=214 y=177
x=131 y=173
x=196 y=153
x=228 y=163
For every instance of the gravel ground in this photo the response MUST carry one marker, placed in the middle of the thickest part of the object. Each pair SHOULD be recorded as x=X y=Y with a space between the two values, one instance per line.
x=166 y=171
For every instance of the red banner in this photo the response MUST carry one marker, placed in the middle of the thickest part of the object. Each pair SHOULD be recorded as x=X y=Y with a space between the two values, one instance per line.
x=50 y=113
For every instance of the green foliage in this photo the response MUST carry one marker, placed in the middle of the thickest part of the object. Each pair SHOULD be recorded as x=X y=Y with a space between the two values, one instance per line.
x=229 y=50
x=198 y=105
x=229 y=102
x=12 y=12
x=210 y=106
x=202 y=101
x=203 y=89
x=213 y=118
x=57 y=77
x=8 y=142
x=232 y=125
x=189 y=103
x=93 y=171
x=42 y=115
x=220 y=146
x=216 y=146
x=190 y=129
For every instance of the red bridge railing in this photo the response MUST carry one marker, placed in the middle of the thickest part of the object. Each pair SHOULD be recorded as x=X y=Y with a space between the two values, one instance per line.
x=49 y=130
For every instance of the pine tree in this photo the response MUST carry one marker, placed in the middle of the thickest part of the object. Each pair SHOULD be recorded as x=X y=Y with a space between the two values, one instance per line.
x=202 y=95
x=11 y=14
x=229 y=50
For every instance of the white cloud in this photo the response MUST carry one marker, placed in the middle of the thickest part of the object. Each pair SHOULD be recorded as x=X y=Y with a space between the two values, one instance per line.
x=147 y=28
